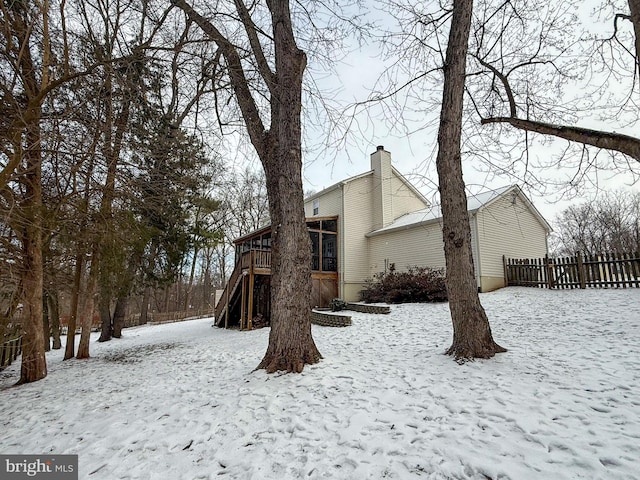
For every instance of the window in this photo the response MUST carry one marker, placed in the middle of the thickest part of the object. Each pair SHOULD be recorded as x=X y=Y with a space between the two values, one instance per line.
x=316 y=206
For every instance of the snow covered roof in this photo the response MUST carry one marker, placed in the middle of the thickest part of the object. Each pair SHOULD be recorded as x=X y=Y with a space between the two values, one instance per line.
x=434 y=213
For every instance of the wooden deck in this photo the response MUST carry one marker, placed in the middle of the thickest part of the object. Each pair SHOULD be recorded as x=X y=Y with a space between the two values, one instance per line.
x=251 y=263
x=247 y=290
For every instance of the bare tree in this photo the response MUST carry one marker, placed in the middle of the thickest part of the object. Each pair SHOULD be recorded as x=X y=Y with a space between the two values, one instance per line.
x=428 y=52
x=138 y=115
x=25 y=83
x=278 y=146
x=205 y=233
x=246 y=203
x=530 y=55
x=245 y=208
x=35 y=66
x=114 y=41
x=609 y=224
x=471 y=331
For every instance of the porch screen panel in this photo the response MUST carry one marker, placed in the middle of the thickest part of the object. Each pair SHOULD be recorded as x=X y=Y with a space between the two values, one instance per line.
x=329 y=252
x=266 y=241
x=315 y=250
x=330 y=225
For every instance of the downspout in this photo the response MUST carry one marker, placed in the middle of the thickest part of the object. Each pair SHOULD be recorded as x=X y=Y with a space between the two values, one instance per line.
x=341 y=253
x=477 y=242
x=546 y=240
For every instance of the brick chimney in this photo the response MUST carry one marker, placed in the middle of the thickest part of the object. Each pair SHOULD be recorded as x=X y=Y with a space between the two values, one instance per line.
x=381 y=194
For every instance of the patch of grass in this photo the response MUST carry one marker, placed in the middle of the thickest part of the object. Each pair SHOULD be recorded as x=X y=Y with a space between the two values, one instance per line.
x=136 y=355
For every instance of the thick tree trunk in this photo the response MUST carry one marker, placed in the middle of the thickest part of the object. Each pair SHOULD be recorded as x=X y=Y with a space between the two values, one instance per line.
x=46 y=327
x=291 y=345
x=119 y=314
x=69 y=350
x=471 y=331
x=54 y=315
x=34 y=364
x=88 y=311
x=192 y=275
x=144 y=309
x=105 y=318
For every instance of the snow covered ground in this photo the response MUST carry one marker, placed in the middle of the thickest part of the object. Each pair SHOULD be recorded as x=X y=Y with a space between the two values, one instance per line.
x=181 y=401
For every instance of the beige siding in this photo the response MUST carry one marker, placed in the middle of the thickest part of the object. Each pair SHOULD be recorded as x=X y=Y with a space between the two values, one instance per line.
x=421 y=246
x=351 y=291
x=330 y=204
x=404 y=199
x=508 y=227
x=357 y=221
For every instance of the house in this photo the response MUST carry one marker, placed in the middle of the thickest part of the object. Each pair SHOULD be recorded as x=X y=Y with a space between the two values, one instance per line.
x=362 y=225
x=503 y=222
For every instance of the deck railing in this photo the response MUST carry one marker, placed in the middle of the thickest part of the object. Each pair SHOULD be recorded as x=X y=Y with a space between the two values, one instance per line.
x=259 y=258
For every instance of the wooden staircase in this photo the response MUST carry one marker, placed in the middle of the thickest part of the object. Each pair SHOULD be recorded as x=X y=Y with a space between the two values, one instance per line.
x=228 y=296
x=250 y=263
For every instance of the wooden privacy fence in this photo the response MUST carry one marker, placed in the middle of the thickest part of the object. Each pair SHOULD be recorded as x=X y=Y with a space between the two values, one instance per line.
x=9 y=351
x=619 y=270
x=169 y=317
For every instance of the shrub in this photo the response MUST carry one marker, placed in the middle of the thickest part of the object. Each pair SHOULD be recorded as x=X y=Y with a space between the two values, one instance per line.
x=417 y=284
x=337 y=305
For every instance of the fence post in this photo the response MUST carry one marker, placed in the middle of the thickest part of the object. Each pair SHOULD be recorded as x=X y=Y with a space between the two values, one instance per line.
x=581 y=273
x=506 y=271
x=549 y=267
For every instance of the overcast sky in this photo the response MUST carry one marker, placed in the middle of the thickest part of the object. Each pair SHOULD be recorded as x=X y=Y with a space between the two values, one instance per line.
x=413 y=153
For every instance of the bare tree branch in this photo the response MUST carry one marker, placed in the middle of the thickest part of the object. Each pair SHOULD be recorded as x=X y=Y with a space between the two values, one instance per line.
x=256 y=47
x=634 y=8
x=505 y=84
x=610 y=141
x=236 y=72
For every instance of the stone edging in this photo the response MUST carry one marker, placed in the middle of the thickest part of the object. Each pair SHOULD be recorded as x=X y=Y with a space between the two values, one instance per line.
x=330 y=319
x=361 y=307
